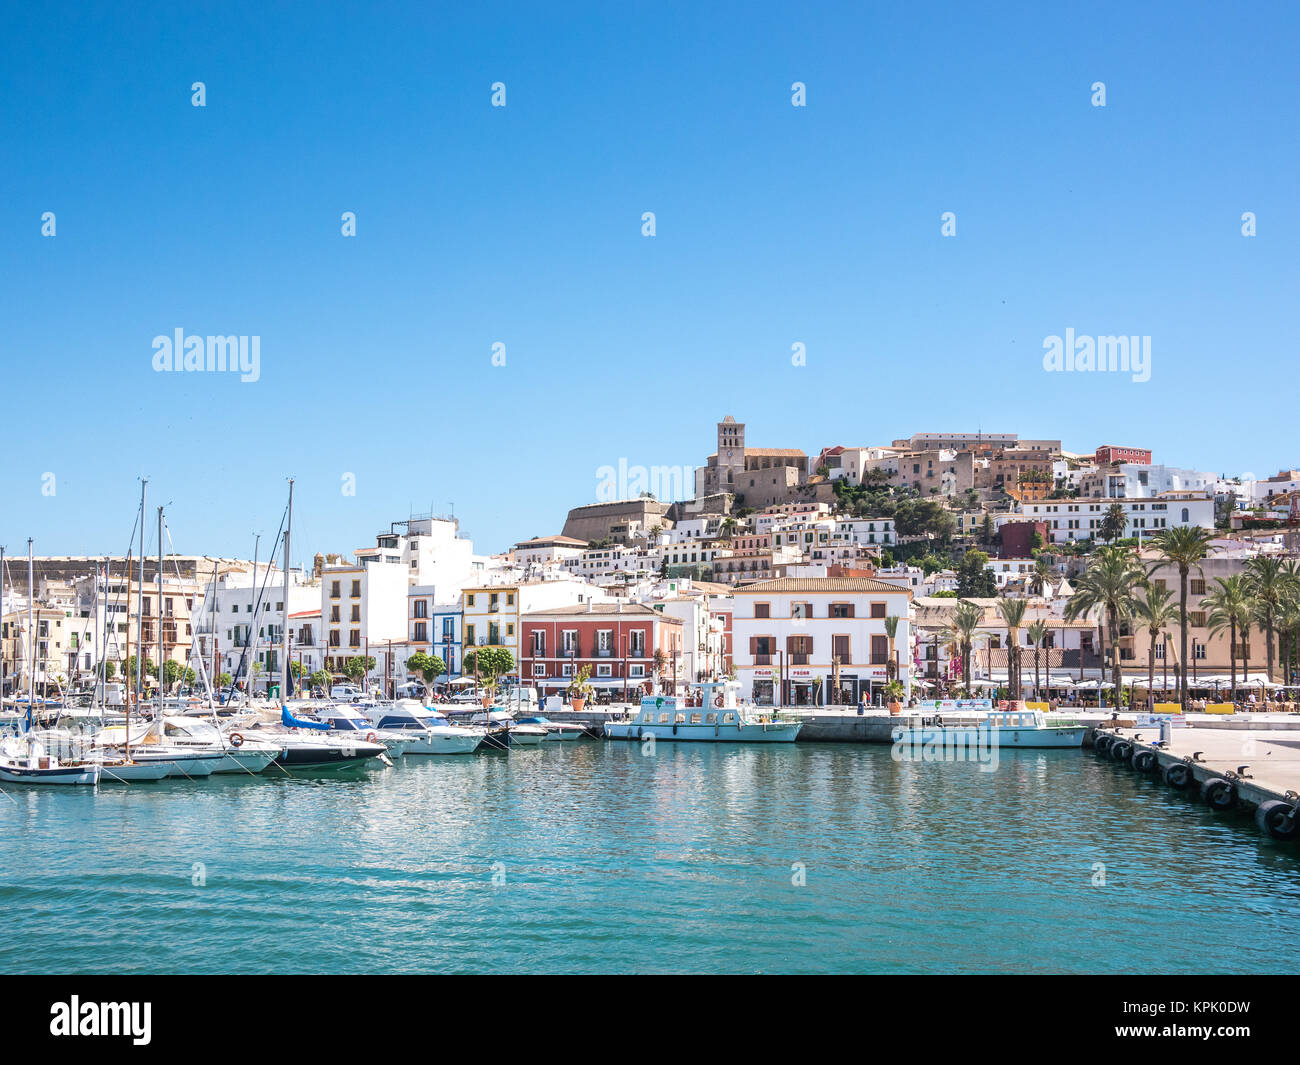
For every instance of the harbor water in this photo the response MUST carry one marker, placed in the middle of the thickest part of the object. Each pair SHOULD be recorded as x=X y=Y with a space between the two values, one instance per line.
x=594 y=856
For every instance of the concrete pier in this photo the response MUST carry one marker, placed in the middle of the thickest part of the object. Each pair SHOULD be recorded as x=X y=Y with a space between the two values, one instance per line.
x=1230 y=768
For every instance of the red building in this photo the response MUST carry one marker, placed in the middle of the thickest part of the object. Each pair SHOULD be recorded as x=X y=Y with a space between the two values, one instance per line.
x=1108 y=455
x=617 y=640
x=1017 y=538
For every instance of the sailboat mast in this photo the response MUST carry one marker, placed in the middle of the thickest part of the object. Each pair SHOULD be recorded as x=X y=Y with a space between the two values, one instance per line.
x=160 y=617
x=284 y=607
x=139 y=618
x=2 y=615
x=31 y=636
x=249 y=645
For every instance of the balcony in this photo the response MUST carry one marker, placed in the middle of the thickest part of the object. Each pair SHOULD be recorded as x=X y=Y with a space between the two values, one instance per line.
x=604 y=652
x=798 y=659
x=763 y=660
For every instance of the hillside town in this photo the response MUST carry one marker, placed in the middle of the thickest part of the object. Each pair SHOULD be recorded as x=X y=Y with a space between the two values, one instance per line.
x=937 y=565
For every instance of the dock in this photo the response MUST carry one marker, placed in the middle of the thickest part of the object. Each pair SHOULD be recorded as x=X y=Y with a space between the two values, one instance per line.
x=1230 y=766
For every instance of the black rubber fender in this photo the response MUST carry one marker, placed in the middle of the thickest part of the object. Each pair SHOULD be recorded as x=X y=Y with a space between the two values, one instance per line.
x=1178 y=775
x=1278 y=819
x=1145 y=761
x=1121 y=750
x=1101 y=742
x=1219 y=793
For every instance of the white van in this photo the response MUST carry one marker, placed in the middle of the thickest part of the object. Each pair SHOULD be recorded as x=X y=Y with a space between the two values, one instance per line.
x=346 y=693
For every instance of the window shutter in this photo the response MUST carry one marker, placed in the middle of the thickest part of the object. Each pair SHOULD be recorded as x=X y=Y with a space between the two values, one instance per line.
x=753 y=645
x=853 y=610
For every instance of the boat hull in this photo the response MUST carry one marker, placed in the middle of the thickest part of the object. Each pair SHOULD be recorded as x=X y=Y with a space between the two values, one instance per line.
x=12 y=773
x=133 y=773
x=773 y=732
x=1064 y=737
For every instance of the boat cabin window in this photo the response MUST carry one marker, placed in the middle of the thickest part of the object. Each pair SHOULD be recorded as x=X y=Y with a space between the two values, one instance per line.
x=680 y=719
x=695 y=719
x=727 y=719
x=663 y=719
x=710 y=719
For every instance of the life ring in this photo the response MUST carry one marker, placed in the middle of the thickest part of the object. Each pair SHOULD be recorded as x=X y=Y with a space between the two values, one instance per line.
x=1219 y=794
x=1178 y=775
x=236 y=740
x=371 y=737
x=717 y=700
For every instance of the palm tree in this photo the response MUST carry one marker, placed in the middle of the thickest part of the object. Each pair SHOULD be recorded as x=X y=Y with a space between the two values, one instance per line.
x=1037 y=633
x=961 y=631
x=726 y=529
x=1184 y=547
x=1288 y=623
x=891 y=630
x=1230 y=607
x=1013 y=614
x=1107 y=587
x=1156 y=613
x=1114 y=523
x=1270 y=584
x=1043 y=577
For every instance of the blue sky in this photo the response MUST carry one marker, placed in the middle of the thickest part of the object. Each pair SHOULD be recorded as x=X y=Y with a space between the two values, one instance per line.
x=522 y=225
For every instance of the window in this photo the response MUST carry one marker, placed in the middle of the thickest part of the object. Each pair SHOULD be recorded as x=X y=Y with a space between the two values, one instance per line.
x=354 y=638
x=841 y=610
x=877 y=610
x=334 y=589
x=1196 y=586
x=841 y=649
x=421 y=631
x=761 y=610
x=569 y=638
x=422 y=608
x=334 y=613
x=879 y=650
x=469 y=600
x=448 y=628
x=356 y=589
x=539 y=669
x=636 y=644
x=604 y=669
x=801 y=610
x=469 y=633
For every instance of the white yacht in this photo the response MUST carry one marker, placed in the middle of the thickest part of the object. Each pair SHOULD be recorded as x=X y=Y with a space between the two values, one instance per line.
x=718 y=718
x=429 y=731
x=1019 y=727
x=197 y=747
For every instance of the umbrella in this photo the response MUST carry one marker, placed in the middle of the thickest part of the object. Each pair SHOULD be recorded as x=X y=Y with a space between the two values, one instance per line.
x=460 y=682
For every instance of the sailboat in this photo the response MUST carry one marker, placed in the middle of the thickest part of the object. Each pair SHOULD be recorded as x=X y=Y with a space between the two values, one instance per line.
x=23 y=759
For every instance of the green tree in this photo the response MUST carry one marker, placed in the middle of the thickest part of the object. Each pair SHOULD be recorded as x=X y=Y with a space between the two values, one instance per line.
x=1155 y=611
x=110 y=669
x=320 y=679
x=891 y=631
x=172 y=672
x=1114 y=523
x=1037 y=633
x=1230 y=607
x=429 y=667
x=358 y=666
x=1270 y=583
x=1107 y=587
x=961 y=632
x=974 y=580
x=1013 y=616
x=489 y=664
x=223 y=680
x=1183 y=547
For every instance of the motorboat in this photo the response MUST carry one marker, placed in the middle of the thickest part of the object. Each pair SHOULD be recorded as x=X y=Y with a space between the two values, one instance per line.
x=25 y=761
x=346 y=719
x=196 y=747
x=306 y=744
x=1018 y=727
x=708 y=718
x=555 y=730
x=429 y=731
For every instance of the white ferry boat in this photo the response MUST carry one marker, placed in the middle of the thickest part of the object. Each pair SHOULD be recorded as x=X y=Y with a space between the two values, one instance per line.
x=1002 y=728
x=716 y=719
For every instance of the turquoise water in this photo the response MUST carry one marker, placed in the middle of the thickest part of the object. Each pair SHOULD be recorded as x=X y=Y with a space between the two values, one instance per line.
x=607 y=860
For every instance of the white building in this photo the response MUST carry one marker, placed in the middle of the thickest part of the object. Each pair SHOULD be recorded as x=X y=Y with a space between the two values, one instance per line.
x=788 y=634
x=1081 y=519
